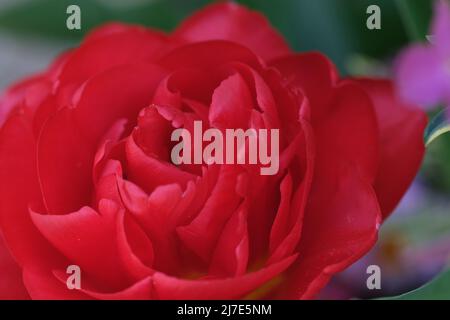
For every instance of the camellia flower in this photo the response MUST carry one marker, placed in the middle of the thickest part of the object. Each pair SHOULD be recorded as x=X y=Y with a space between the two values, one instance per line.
x=86 y=177
x=423 y=70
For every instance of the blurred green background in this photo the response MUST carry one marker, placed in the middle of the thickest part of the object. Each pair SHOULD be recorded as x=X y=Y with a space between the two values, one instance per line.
x=326 y=25
x=415 y=243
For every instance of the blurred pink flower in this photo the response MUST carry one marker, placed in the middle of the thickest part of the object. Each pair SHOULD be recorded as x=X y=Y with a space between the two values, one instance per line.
x=423 y=70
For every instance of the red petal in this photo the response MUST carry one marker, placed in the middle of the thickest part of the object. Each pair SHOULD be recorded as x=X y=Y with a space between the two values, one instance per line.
x=88 y=239
x=44 y=285
x=16 y=94
x=167 y=287
x=402 y=144
x=135 y=249
x=186 y=84
x=231 y=253
x=104 y=99
x=208 y=55
x=287 y=227
x=261 y=91
x=11 y=284
x=19 y=189
x=349 y=130
x=108 y=159
x=230 y=21
x=109 y=29
x=343 y=216
x=155 y=213
x=153 y=133
x=149 y=172
x=106 y=186
x=314 y=74
x=231 y=104
x=281 y=222
x=341 y=225
x=108 y=49
x=51 y=285
x=64 y=164
x=201 y=234
x=141 y=290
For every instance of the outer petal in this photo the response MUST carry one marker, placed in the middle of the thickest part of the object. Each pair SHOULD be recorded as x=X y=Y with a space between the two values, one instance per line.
x=402 y=146
x=18 y=190
x=11 y=284
x=15 y=95
x=341 y=224
x=106 y=48
x=64 y=172
x=230 y=21
x=88 y=239
x=342 y=113
x=349 y=131
x=342 y=215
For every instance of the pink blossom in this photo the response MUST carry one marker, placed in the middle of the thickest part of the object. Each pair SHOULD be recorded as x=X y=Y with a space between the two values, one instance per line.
x=423 y=70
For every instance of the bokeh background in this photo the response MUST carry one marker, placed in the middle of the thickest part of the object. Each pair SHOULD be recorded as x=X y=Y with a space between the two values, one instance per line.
x=414 y=244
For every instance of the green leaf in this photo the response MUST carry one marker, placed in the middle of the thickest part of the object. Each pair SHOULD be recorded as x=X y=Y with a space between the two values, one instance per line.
x=436 y=168
x=415 y=15
x=438 y=126
x=437 y=289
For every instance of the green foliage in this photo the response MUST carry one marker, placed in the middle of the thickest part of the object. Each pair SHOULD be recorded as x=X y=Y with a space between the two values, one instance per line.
x=48 y=17
x=329 y=26
x=437 y=289
x=438 y=126
x=415 y=15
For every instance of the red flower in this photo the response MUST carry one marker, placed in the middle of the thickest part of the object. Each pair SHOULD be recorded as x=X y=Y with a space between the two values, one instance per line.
x=86 y=177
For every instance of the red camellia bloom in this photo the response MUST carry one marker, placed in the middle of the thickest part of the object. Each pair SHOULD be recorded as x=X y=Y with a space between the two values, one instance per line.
x=87 y=179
